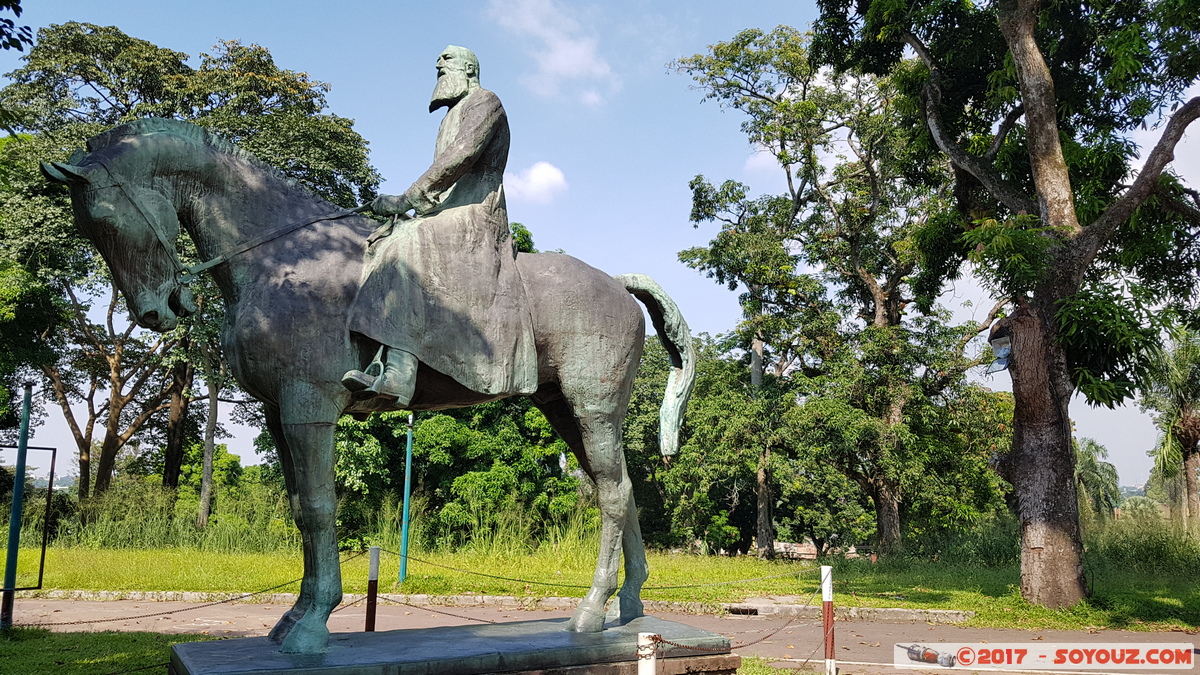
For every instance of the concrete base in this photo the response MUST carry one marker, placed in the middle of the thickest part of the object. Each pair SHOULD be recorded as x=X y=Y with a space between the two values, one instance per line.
x=541 y=647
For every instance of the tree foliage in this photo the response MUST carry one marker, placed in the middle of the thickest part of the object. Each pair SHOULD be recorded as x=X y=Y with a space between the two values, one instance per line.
x=1171 y=390
x=833 y=270
x=1033 y=104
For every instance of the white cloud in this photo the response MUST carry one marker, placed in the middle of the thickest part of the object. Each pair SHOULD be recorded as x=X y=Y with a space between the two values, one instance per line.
x=564 y=54
x=760 y=163
x=538 y=184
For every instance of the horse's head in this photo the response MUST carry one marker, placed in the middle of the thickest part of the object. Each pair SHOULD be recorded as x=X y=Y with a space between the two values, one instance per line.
x=134 y=227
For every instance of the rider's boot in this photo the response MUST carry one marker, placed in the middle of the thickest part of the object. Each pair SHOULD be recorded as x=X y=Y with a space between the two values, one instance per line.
x=395 y=385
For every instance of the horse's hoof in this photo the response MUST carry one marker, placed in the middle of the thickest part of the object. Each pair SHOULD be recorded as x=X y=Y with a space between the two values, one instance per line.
x=357 y=381
x=306 y=637
x=586 y=621
x=284 y=626
x=629 y=608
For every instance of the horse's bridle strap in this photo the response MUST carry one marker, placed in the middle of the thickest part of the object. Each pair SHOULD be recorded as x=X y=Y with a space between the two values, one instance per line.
x=187 y=274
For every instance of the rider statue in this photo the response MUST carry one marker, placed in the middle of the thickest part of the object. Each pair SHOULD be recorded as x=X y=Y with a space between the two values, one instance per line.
x=442 y=288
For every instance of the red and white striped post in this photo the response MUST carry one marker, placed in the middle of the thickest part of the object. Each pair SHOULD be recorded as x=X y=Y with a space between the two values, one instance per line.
x=372 y=589
x=827 y=618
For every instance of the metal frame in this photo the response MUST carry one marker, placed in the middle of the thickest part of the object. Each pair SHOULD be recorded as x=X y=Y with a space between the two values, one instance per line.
x=45 y=518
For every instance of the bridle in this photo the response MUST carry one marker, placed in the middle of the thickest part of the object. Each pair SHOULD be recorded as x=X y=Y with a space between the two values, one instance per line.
x=186 y=274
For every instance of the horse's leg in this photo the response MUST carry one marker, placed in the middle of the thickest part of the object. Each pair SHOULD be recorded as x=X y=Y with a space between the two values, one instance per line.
x=307 y=419
x=629 y=599
x=602 y=446
x=293 y=615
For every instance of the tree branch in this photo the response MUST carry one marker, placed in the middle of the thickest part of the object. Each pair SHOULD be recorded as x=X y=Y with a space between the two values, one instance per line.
x=1095 y=234
x=1006 y=125
x=931 y=102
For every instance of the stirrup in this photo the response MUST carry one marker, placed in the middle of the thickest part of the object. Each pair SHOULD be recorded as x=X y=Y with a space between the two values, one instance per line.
x=360 y=380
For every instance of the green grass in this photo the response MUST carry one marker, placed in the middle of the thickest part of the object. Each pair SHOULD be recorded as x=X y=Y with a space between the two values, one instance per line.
x=752 y=665
x=29 y=651
x=1141 y=601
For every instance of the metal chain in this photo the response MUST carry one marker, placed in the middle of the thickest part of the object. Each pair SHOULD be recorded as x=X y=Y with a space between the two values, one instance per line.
x=658 y=639
x=819 y=645
x=551 y=583
x=482 y=574
x=179 y=611
x=772 y=633
x=435 y=611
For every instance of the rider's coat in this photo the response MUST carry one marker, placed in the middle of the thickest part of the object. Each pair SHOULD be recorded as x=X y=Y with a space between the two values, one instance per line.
x=444 y=286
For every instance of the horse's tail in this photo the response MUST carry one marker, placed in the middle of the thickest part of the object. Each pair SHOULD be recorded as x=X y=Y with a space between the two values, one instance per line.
x=677 y=339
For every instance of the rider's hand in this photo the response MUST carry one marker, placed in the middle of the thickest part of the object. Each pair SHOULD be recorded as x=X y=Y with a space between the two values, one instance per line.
x=390 y=205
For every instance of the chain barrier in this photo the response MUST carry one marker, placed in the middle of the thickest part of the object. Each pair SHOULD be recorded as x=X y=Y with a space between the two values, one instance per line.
x=658 y=639
x=435 y=611
x=185 y=609
x=558 y=585
x=819 y=645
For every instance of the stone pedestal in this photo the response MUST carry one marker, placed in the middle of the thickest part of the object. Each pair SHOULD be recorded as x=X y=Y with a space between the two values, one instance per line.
x=532 y=647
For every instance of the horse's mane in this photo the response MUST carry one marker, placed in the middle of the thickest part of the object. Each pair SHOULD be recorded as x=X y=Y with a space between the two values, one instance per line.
x=189 y=132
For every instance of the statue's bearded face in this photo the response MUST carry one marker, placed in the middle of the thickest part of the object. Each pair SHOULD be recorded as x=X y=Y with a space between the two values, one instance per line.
x=454 y=80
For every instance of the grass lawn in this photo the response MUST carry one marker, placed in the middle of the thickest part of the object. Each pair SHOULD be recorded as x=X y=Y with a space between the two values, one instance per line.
x=1120 y=600
x=26 y=651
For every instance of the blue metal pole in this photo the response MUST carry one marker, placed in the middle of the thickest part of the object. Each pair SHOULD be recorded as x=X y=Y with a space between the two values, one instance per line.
x=407 y=495
x=14 y=516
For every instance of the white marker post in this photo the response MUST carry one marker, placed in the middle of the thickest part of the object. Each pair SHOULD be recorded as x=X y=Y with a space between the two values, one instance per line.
x=647 y=652
x=827 y=618
x=372 y=589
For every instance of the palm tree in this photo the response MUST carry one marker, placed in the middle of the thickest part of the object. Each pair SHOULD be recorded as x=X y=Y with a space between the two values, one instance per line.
x=1098 y=482
x=1172 y=390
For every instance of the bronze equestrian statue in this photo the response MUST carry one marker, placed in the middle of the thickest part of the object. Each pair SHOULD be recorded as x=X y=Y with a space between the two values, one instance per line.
x=440 y=313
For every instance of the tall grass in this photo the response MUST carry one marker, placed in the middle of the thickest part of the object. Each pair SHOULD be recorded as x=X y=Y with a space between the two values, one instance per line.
x=507 y=532
x=1138 y=547
x=135 y=514
x=995 y=542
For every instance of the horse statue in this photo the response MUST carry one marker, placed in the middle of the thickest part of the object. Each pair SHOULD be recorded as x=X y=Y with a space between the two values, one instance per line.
x=288 y=265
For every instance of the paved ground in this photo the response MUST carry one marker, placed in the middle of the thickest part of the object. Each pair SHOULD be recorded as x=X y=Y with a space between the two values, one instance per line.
x=860 y=644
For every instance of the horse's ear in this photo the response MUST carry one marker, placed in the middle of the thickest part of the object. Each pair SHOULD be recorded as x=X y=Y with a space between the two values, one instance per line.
x=59 y=172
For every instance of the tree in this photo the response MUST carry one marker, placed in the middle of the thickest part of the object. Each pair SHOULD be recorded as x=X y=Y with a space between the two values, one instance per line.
x=1032 y=104
x=1099 y=486
x=16 y=37
x=1172 y=391
x=856 y=202
x=81 y=79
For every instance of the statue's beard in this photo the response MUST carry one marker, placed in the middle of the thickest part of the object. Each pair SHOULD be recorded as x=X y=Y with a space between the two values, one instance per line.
x=450 y=88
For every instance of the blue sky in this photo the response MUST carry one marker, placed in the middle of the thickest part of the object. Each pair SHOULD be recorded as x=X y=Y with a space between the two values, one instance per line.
x=605 y=136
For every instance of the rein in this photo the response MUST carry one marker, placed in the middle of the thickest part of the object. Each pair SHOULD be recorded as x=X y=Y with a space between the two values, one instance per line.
x=186 y=274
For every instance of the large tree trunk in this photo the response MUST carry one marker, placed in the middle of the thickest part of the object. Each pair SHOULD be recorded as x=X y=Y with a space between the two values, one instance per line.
x=887 y=517
x=764 y=520
x=210 y=446
x=764 y=530
x=85 y=474
x=1191 y=465
x=181 y=380
x=1041 y=465
x=109 y=448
